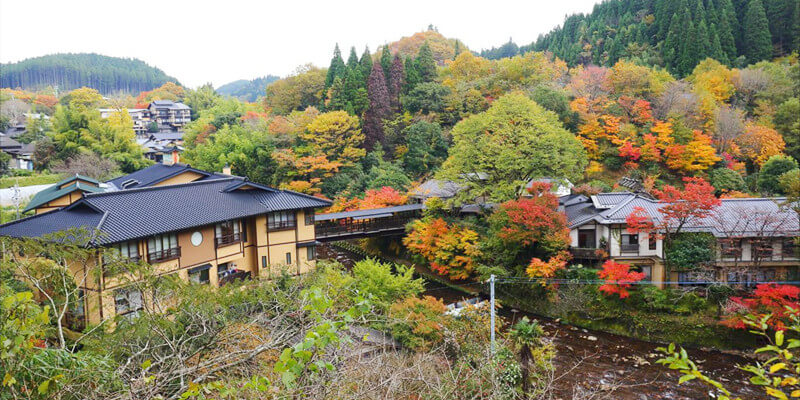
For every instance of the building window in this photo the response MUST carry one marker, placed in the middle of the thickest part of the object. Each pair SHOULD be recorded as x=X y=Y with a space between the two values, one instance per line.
x=128 y=251
x=629 y=243
x=730 y=248
x=128 y=301
x=311 y=253
x=264 y=262
x=587 y=239
x=281 y=220
x=199 y=274
x=762 y=249
x=288 y=258
x=163 y=247
x=227 y=233
x=652 y=241
x=309 y=215
x=224 y=270
x=789 y=247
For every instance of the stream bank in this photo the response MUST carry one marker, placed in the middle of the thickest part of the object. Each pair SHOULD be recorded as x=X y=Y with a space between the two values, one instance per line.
x=607 y=365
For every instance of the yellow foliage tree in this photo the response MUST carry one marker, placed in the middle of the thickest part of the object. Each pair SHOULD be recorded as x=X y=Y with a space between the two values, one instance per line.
x=336 y=134
x=759 y=143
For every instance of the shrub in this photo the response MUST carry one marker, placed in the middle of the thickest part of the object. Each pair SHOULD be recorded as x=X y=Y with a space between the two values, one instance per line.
x=772 y=170
x=376 y=279
x=690 y=250
x=418 y=323
x=727 y=180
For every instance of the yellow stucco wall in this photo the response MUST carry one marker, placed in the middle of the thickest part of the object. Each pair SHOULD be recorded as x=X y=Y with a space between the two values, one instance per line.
x=185 y=177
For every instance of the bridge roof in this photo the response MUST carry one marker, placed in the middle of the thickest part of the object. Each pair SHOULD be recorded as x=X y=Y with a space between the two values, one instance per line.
x=373 y=213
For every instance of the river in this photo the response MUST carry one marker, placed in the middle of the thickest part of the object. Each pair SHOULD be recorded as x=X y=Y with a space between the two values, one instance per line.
x=598 y=365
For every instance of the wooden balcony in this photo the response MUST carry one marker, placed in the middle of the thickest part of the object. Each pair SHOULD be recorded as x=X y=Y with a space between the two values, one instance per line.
x=235 y=276
x=227 y=240
x=629 y=248
x=586 y=253
x=164 y=255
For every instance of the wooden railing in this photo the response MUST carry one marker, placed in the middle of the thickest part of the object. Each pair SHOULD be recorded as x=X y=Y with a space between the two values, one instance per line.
x=586 y=253
x=629 y=248
x=347 y=226
x=236 y=276
x=164 y=255
x=228 y=239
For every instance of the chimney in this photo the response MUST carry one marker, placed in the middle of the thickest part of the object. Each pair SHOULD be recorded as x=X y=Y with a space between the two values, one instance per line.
x=226 y=169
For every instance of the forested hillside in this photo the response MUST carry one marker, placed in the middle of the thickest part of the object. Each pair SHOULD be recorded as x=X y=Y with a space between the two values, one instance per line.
x=676 y=34
x=247 y=90
x=71 y=71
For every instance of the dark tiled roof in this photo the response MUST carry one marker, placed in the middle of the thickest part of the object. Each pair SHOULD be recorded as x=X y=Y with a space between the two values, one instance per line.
x=740 y=217
x=62 y=188
x=53 y=221
x=154 y=174
x=366 y=213
x=137 y=213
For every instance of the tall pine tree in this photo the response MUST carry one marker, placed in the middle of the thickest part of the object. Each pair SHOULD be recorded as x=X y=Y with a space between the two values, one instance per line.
x=365 y=63
x=396 y=81
x=426 y=64
x=378 y=110
x=337 y=68
x=352 y=60
x=386 y=61
x=756 y=39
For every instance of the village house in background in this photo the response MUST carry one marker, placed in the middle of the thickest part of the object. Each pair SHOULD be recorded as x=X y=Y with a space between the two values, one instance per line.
x=755 y=238
x=21 y=154
x=169 y=115
x=205 y=227
x=140 y=117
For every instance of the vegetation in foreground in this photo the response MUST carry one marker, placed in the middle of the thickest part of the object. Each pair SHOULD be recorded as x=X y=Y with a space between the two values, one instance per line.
x=331 y=333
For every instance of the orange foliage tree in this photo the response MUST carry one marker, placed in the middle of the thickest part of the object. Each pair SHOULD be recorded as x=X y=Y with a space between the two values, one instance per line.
x=759 y=143
x=617 y=278
x=373 y=198
x=450 y=249
x=547 y=269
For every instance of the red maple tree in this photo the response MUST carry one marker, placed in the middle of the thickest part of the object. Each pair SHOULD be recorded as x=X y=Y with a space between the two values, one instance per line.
x=617 y=278
x=677 y=208
x=776 y=303
x=534 y=220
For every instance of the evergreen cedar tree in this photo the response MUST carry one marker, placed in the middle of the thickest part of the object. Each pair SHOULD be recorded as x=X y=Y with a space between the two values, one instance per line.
x=396 y=82
x=71 y=71
x=378 y=110
x=675 y=33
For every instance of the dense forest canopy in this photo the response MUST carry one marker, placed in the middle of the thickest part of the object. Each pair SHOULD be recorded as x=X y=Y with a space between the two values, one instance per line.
x=676 y=34
x=247 y=90
x=72 y=71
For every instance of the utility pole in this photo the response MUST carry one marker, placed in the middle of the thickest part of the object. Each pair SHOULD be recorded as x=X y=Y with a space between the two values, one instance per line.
x=491 y=310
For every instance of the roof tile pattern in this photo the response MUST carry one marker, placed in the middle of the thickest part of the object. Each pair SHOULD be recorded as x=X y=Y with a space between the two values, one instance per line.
x=138 y=213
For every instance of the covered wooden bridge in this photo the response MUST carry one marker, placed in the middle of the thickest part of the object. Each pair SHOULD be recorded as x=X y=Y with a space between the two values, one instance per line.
x=365 y=223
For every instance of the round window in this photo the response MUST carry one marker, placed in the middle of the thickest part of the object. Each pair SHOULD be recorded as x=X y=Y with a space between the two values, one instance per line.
x=197 y=239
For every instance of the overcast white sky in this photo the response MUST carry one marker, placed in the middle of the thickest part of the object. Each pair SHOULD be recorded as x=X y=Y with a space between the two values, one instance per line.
x=224 y=40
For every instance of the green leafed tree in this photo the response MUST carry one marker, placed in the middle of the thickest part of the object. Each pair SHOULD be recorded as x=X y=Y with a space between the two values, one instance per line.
x=496 y=152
